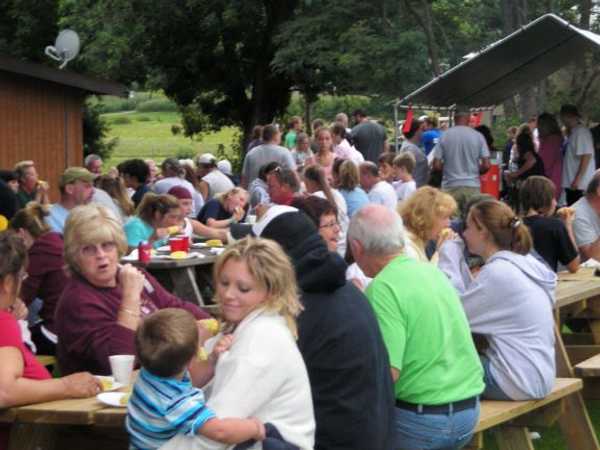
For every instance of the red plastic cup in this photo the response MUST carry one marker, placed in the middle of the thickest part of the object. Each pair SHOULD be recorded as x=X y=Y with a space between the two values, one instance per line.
x=185 y=243
x=176 y=244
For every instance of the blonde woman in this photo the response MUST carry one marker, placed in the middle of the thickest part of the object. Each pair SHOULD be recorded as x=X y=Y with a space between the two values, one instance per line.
x=103 y=302
x=117 y=191
x=226 y=208
x=425 y=214
x=263 y=374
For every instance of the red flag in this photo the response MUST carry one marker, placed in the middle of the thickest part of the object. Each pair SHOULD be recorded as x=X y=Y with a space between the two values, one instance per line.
x=408 y=121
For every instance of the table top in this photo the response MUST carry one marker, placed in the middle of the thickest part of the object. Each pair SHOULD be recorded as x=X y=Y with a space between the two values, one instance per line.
x=205 y=257
x=576 y=287
x=84 y=411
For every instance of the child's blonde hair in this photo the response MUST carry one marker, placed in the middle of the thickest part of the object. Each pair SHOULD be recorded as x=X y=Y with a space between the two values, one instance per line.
x=272 y=270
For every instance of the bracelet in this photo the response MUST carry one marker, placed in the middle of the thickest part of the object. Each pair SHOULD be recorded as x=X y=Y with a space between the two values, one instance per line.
x=130 y=312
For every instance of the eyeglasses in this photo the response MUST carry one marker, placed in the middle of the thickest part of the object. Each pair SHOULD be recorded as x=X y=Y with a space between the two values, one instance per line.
x=93 y=249
x=330 y=224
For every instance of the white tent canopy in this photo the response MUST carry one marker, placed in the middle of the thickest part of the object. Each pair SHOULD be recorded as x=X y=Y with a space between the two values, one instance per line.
x=517 y=61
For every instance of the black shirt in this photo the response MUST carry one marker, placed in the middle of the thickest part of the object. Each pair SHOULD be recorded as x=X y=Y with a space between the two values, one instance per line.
x=551 y=240
x=536 y=169
x=137 y=197
x=9 y=203
x=213 y=209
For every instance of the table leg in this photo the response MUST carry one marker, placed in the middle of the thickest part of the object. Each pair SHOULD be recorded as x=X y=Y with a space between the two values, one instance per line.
x=575 y=423
x=29 y=436
x=185 y=286
x=513 y=438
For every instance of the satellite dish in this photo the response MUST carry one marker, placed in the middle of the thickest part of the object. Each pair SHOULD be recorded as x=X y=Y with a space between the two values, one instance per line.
x=65 y=48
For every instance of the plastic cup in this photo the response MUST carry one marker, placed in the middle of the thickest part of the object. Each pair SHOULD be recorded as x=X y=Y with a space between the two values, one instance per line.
x=251 y=219
x=185 y=243
x=175 y=243
x=122 y=368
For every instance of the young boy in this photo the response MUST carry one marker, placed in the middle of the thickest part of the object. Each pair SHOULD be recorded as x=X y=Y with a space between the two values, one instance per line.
x=386 y=168
x=164 y=402
x=404 y=166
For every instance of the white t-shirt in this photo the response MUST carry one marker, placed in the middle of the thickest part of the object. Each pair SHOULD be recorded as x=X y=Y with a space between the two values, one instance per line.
x=586 y=226
x=404 y=189
x=217 y=182
x=579 y=143
x=354 y=272
x=382 y=193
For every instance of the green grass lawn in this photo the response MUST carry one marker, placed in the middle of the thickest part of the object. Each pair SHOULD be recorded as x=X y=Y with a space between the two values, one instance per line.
x=147 y=135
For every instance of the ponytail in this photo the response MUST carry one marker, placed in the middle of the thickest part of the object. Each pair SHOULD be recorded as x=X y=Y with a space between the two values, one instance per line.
x=506 y=230
x=31 y=218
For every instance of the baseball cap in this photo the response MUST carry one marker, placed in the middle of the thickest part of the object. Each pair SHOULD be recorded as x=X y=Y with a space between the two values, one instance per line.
x=73 y=174
x=224 y=166
x=206 y=158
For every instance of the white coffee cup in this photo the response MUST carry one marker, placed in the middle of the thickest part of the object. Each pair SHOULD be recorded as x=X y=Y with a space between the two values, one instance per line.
x=251 y=218
x=122 y=367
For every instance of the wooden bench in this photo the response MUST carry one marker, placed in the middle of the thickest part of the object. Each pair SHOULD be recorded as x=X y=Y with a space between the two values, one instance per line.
x=589 y=370
x=511 y=419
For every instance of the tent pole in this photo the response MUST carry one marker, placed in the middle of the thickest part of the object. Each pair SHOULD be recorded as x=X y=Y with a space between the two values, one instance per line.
x=396 y=127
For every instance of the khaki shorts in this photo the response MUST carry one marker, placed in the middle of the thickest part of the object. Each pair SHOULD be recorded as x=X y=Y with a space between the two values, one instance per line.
x=462 y=195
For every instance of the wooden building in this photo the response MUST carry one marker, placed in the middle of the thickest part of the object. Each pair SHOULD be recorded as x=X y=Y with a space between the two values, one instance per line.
x=41 y=116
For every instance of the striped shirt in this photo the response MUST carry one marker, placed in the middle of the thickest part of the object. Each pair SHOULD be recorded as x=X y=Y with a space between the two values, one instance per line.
x=159 y=408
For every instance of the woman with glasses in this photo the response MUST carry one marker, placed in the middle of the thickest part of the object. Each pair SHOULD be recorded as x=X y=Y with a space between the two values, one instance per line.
x=103 y=302
x=323 y=215
x=46 y=275
x=23 y=380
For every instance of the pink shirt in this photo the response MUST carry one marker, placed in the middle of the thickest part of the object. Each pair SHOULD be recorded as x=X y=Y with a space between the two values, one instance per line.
x=10 y=336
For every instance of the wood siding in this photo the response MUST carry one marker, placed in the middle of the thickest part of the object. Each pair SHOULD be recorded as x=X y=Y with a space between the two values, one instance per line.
x=40 y=121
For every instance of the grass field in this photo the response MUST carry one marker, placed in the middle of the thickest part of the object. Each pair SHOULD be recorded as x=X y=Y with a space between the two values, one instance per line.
x=147 y=135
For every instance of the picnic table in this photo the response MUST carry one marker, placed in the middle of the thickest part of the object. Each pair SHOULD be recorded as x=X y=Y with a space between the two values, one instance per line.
x=180 y=276
x=78 y=423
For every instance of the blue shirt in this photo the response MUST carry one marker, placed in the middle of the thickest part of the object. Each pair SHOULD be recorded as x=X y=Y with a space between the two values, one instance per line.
x=159 y=408
x=136 y=231
x=57 y=218
x=429 y=139
x=355 y=199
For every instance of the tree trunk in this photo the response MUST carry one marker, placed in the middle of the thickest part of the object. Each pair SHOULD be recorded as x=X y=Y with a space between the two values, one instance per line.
x=425 y=21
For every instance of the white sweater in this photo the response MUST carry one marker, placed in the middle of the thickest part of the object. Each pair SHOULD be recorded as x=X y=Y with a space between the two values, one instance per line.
x=262 y=375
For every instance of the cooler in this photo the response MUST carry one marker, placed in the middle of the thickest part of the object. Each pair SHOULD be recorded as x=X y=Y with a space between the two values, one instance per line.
x=490 y=181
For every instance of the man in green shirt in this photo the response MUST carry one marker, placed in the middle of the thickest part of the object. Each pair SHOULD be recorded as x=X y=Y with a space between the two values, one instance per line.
x=31 y=188
x=437 y=374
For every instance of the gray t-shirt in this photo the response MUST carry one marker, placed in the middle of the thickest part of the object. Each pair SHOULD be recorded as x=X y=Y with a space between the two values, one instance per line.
x=264 y=154
x=460 y=149
x=579 y=143
x=586 y=226
x=217 y=182
x=421 y=173
x=369 y=139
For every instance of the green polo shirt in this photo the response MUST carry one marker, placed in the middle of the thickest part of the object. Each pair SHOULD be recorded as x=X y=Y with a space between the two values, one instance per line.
x=426 y=333
x=25 y=198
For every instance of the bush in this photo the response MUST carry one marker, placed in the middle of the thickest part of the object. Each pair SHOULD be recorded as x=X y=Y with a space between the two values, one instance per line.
x=185 y=153
x=143 y=119
x=120 y=120
x=157 y=105
x=176 y=129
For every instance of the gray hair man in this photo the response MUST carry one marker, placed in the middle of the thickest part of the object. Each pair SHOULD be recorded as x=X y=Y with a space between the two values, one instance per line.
x=93 y=163
x=436 y=371
x=586 y=225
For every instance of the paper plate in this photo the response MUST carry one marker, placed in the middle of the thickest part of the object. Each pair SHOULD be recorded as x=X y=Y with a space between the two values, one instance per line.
x=188 y=256
x=114 y=385
x=199 y=245
x=164 y=248
x=112 y=399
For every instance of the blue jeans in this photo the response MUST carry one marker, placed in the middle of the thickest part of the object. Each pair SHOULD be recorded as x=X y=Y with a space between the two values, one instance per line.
x=492 y=390
x=416 y=431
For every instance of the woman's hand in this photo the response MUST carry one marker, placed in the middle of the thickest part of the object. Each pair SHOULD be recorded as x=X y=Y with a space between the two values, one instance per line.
x=566 y=214
x=161 y=233
x=447 y=234
x=131 y=281
x=81 y=385
x=238 y=214
x=223 y=345
x=19 y=309
x=261 y=433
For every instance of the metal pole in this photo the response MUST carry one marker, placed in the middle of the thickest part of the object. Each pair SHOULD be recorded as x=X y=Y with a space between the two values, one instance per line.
x=396 y=127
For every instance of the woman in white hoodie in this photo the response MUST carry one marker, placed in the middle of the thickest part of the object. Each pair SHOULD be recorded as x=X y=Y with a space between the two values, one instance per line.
x=510 y=302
